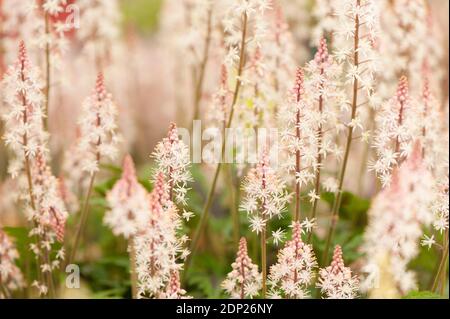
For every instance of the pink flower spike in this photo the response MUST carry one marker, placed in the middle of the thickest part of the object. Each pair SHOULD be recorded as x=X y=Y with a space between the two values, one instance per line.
x=100 y=88
x=294 y=270
x=336 y=281
x=244 y=280
x=322 y=56
x=337 y=264
x=299 y=90
x=11 y=276
x=402 y=89
x=23 y=56
x=128 y=202
x=173 y=160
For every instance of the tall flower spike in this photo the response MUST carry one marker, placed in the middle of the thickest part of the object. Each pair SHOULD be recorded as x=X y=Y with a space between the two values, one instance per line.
x=50 y=212
x=172 y=158
x=265 y=198
x=321 y=57
x=265 y=194
x=357 y=28
x=128 y=202
x=217 y=113
x=244 y=280
x=396 y=219
x=293 y=272
x=157 y=244
x=297 y=138
x=336 y=281
x=433 y=127
x=22 y=92
x=11 y=277
x=324 y=94
x=440 y=206
x=98 y=125
x=397 y=127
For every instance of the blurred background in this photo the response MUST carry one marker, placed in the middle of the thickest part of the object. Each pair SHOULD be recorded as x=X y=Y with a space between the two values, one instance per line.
x=147 y=50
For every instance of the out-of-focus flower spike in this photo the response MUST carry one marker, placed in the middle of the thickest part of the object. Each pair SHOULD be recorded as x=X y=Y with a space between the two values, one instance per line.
x=128 y=202
x=11 y=277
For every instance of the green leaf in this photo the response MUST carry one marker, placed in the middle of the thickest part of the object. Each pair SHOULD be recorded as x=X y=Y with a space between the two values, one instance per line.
x=104 y=187
x=26 y=262
x=112 y=168
x=422 y=295
x=115 y=293
x=353 y=209
x=21 y=240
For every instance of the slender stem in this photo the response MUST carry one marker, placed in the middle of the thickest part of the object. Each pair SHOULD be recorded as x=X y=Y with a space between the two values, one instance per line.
x=338 y=196
x=233 y=208
x=28 y=173
x=4 y=290
x=204 y=217
x=442 y=264
x=83 y=220
x=319 y=161
x=444 y=277
x=33 y=207
x=297 y=153
x=297 y=168
x=242 y=293
x=263 y=262
x=133 y=272
x=28 y=273
x=366 y=152
x=47 y=73
x=48 y=275
x=201 y=76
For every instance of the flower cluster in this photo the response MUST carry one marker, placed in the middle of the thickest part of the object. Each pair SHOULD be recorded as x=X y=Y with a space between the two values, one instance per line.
x=48 y=214
x=433 y=128
x=265 y=194
x=173 y=289
x=298 y=136
x=23 y=113
x=440 y=207
x=27 y=138
x=128 y=202
x=336 y=281
x=409 y=22
x=98 y=123
x=157 y=243
x=244 y=280
x=396 y=130
x=327 y=98
x=172 y=159
x=354 y=48
x=293 y=272
x=396 y=218
x=50 y=210
x=11 y=277
x=100 y=33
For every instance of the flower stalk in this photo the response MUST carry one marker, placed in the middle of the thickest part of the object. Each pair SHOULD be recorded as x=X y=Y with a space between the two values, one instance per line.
x=205 y=212
x=338 y=195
